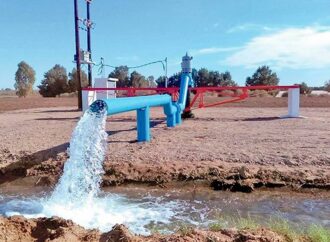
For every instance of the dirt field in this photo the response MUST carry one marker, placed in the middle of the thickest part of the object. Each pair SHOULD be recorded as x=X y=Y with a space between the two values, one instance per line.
x=228 y=148
x=15 y=103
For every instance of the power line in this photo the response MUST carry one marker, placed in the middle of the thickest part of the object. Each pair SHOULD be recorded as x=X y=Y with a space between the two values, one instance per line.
x=101 y=65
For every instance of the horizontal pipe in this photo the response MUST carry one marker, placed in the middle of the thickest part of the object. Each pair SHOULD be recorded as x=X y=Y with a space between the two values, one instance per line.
x=120 y=105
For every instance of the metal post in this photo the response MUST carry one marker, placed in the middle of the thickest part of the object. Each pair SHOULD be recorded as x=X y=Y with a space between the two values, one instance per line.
x=76 y=20
x=89 y=48
x=166 y=80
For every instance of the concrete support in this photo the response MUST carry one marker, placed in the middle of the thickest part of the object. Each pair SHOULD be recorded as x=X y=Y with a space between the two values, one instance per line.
x=88 y=97
x=143 y=124
x=293 y=103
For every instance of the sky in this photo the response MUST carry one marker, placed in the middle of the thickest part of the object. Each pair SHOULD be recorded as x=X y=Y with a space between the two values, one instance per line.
x=291 y=36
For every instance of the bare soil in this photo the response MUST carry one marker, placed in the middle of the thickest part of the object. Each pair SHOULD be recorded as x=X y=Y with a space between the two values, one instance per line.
x=9 y=103
x=57 y=229
x=228 y=148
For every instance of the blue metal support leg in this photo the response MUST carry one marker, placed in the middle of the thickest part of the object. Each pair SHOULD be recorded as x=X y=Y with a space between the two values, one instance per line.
x=178 y=118
x=170 y=120
x=143 y=124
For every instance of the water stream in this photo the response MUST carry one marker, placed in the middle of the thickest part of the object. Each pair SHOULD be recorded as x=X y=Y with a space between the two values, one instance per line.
x=142 y=209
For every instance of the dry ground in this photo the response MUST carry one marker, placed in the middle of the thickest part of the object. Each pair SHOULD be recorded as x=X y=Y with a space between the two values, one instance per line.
x=56 y=229
x=229 y=147
x=10 y=103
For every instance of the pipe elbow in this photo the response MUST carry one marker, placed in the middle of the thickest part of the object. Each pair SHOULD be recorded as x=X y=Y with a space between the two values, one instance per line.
x=170 y=109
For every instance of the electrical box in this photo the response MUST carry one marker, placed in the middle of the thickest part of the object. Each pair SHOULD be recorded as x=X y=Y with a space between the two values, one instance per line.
x=85 y=57
x=105 y=83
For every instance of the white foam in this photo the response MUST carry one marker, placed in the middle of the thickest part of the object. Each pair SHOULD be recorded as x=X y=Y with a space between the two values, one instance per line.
x=77 y=195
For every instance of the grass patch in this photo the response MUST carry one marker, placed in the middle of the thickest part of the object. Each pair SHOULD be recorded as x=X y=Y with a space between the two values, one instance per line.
x=185 y=229
x=218 y=225
x=317 y=233
x=283 y=227
x=237 y=222
x=246 y=223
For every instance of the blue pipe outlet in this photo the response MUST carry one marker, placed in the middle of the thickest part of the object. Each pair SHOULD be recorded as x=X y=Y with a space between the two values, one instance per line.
x=98 y=106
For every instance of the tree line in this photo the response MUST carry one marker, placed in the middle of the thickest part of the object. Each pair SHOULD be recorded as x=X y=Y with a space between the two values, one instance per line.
x=57 y=81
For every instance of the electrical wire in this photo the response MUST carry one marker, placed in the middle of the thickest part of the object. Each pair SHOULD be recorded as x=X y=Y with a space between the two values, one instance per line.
x=102 y=65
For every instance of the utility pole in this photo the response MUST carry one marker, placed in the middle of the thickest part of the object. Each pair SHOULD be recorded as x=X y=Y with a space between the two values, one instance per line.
x=89 y=48
x=77 y=59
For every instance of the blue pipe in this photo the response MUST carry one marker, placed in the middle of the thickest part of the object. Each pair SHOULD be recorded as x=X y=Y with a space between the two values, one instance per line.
x=126 y=104
x=184 y=84
x=142 y=104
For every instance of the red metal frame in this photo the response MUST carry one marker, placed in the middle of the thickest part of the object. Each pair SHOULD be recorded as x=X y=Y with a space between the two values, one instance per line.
x=238 y=94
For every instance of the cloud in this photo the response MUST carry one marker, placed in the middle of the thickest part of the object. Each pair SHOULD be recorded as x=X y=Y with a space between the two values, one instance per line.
x=249 y=27
x=295 y=48
x=212 y=50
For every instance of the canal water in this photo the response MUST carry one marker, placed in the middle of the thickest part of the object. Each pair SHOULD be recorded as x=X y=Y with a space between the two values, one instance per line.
x=145 y=209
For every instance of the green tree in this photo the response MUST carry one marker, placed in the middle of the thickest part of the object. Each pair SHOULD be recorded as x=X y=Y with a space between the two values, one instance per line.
x=217 y=79
x=203 y=78
x=304 y=89
x=138 y=80
x=327 y=86
x=151 y=81
x=121 y=73
x=55 y=82
x=161 y=81
x=24 y=79
x=263 y=76
x=226 y=79
x=174 y=80
x=73 y=80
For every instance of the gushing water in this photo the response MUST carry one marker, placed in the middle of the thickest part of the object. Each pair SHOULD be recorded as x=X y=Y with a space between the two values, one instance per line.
x=80 y=182
x=78 y=197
